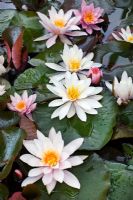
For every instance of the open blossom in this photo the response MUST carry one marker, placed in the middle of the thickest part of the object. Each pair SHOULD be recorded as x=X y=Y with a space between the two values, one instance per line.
x=76 y=97
x=125 y=35
x=73 y=61
x=51 y=159
x=23 y=104
x=59 y=24
x=2 y=68
x=90 y=16
x=122 y=90
x=95 y=74
x=2 y=90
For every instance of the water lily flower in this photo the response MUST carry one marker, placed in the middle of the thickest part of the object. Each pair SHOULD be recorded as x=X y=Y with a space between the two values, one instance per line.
x=95 y=74
x=23 y=104
x=122 y=90
x=90 y=17
x=2 y=90
x=76 y=97
x=51 y=159
x=125 y=35
x=73 y=61
x=59 y=24
x=2 y=68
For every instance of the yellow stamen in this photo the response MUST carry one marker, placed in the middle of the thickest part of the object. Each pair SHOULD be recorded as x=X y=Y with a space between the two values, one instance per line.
x=88 y=17
x=74 y=65
x=73 y=93
x=21 y=105
x=130 y=38
x=51 y=158
x=59 y=23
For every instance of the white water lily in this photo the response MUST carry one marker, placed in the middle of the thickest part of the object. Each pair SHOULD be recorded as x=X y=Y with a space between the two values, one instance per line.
x=126 y=35
x=75 y=97
x=122 y=90
x=51 y=159
x=59 y=24
x=2 y=68
x=73 y=61
x=2 y=90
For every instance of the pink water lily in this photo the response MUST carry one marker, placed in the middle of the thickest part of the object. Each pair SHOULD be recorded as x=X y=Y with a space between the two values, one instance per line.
x=23 y=104
x=59 y=24
x=51 y=160
x=90 y=17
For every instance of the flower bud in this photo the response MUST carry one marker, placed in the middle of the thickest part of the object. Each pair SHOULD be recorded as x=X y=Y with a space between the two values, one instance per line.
x=95 y=74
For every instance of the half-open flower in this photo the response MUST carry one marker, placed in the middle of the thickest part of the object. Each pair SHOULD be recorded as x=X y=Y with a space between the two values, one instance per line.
x=125 y=35
x=51 y=159
x=2 y=90
x=122 y=90
x=95 y=74
x=76 y=97
x=90 y=16
x=2 y=68
x=73 y=61
x=23 y=104
x=59 y=24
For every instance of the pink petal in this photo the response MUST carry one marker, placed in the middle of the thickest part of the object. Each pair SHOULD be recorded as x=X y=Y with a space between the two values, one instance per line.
x=65 y=40
x=50 y=42
x=83 y=4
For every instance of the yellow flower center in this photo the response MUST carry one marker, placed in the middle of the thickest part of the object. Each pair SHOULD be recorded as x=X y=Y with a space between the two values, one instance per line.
x=73 y=93
x=51 y=158
x=59 y=23
x=21 y=105
x=88 y=17
x=130 y=38
x=74 y=65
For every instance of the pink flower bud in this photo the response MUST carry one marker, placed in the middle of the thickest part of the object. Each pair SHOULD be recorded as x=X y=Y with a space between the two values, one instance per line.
x=95 y=74
x=18 y=174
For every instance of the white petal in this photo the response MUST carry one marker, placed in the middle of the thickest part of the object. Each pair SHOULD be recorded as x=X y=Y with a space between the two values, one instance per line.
x=47 y=178
x=64 y=110
x=80 y=113
x=71 y=111
x=73 y=146
x=1 y=59
x=65 y=165
x=51 y=186
x=31 y=160
x=31 y=147
x=76 y=160
x=36 y=172
x=30 y=180
x=71 y=180
x=56 y=139
x=58 y=175
x=57 y=102
x=109 y=86
x=55 y=67
x=116 y=37
x=44 y=37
